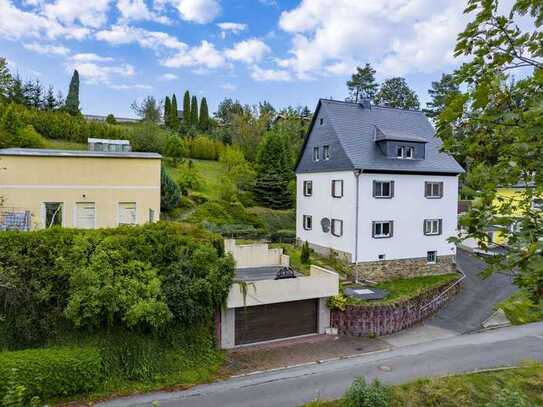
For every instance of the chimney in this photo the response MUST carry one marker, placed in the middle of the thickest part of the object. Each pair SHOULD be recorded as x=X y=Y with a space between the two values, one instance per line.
x=365 y=103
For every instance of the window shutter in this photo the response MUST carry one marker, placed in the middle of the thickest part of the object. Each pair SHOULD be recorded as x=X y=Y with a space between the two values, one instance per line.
x=391 y=189
x=427 y=189
x=440 y=226
x=374 y=189
x=441 y=189
x=391 y=228
x=333 y=188
x=373 y=227
x=425 y=227
x=341 y=185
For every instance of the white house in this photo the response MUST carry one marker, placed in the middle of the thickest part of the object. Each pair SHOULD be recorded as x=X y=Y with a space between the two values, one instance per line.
x=374 y=187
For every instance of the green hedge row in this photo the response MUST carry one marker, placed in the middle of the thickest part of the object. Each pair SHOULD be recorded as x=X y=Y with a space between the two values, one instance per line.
x=52 y=372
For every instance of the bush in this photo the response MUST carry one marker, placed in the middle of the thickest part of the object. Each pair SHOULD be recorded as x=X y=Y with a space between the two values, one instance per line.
x=147 y=137
x=283 y=236
x=361 y=394
x=52 y=372
x=306 y=253
x=337 y=302
x=170 y=194
x=509 y=398
x=204 y=148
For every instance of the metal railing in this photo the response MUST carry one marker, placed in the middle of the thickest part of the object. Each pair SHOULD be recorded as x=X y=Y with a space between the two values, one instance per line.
x=15 y=219
x=438 y=297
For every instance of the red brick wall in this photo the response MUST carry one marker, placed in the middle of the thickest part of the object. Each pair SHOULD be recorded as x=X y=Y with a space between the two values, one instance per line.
x=377 y=320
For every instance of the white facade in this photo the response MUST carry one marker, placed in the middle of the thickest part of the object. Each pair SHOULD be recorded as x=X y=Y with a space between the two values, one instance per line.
x=408 y=208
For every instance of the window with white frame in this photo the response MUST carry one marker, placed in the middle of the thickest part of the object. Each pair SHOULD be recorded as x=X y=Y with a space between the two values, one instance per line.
x=433 y=190
x=409 y=153
x=325 y=153
x=337 y=227
x=382 y=229
x=85 y=215
x=337 y=188
x=316 y=154
x=432 y=226
x=308 y=222
x=431 y=256
x=308 y=188
x=383 y=189
x=127 y=213
x=399 y=152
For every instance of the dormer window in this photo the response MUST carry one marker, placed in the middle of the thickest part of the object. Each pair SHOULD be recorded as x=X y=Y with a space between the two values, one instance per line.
x=409 y=152
x=405 y=152
x=399 y=152
x=316 y=154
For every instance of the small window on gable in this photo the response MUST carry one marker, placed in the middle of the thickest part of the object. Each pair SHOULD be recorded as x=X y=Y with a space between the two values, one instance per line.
x=433 y=190
x=321 y=121
x=337 y=227
x=316 y=154
x=337 y=188
x=308 y=222
x=433 y=227
x=308 y=188
x=382 y=229
x=381 y=257
x=325 y=152
x=383 y=189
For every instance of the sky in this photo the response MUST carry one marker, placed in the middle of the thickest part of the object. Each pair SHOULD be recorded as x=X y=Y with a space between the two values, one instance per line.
x=284 y=51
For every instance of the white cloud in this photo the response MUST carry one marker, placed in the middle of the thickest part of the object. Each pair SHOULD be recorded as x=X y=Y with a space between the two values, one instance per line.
x=228 y=87
x=89 y=13
x=90 y=57
x=234 y=28
x=168 y=77
x=97 y=73
x=203 y=56
x=397 y=36
x=130 y=87
x=198 y=11
x=16 y=24
x=266 y=75
x=47 y=49
x=133 y=10
x=155 y=40
x=249 y=51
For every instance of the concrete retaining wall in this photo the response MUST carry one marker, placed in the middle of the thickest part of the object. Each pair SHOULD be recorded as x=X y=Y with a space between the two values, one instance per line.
x=378 y=320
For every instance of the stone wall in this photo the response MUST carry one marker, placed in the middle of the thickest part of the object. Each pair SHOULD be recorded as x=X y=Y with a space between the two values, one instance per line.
x=403 y=268
x=378 y=320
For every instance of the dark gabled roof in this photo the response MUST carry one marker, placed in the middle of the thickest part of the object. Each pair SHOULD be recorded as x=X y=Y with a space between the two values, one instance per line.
x=42 y=152
x=356 y=129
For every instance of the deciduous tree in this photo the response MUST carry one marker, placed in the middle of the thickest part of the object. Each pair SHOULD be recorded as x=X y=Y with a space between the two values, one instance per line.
x=395 y=92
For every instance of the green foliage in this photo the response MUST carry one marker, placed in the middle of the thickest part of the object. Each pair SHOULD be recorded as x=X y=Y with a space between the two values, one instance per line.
x=149 y=109
x=186 y=110
x=494 y=126
x=362 y=394
x=147 y=137
x=362 y=84
x=194 y=111
x=283 y=236
x=306 y=253
x=395 y=92
x=5 y=79
x=520 y=309
x=204 y=115
x=239 y=173
x=509 y=398
x=50 y=372
x=175 y=149
x=337 y=302
x=169 y=191
x=110 y=119
x=71 y=106
x=203 y=148
x=173 y=121
x=167 y=111
x=274 y=172
x=14 y=133
x=441 y=90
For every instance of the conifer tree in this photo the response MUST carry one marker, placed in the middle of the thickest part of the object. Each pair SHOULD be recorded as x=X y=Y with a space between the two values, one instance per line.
x=167 y=110
x=186 y=110
x=72 y=100
x=204 y=115
x=174 y=121
x=194 y=111
x=50 y=102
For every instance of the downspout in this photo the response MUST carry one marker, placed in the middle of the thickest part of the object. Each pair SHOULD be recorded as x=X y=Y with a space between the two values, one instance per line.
x=357 y=176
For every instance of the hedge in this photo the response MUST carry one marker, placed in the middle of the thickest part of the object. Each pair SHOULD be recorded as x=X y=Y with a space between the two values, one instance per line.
x=52 y=372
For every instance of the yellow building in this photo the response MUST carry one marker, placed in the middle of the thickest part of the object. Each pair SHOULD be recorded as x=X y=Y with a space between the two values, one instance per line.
x=84 y=189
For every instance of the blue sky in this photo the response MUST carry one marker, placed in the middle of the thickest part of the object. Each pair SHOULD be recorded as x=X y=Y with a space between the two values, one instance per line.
x=285 y=51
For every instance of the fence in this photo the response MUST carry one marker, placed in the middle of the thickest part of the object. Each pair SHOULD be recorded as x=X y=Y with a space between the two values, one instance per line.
x=15 y=219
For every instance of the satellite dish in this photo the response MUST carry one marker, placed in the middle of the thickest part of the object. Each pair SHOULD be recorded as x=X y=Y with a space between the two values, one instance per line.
x=325 y=223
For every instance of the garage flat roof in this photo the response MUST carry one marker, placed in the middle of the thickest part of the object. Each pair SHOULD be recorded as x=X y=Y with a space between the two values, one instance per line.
x=259 y=273
x=39 y=152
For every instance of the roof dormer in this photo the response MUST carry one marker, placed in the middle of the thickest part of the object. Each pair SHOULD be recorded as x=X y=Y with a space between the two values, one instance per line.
x=400 y=146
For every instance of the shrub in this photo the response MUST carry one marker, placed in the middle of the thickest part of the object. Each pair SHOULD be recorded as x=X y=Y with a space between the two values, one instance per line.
x=306 y=253
x=170 y=194
x=509 y=398
x=337 y=302
x=204 y=148
x=147 y=137
x=51 y=372
x=361 y=394
x=283 y=236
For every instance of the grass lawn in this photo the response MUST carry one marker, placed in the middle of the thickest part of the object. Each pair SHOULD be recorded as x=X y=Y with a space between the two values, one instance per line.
x=521 y=310
x=209 y=174
x=468 y=390
x=64 y=145
x=328 y=262
x=405 y=288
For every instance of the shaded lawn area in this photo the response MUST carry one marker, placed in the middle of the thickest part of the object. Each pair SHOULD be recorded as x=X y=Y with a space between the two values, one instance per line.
x=208 y=172
x=405 y=288
x=468 y=390
x=64 y=145
x=520 y=309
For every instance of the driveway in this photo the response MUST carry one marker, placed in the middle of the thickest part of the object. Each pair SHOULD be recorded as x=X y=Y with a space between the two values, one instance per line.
x=467 y=311
x=296 y=386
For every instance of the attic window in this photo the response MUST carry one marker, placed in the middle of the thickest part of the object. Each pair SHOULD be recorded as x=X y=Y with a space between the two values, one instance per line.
x=325 y=152
x=321 y=121
x=316 y=154
x=405 y=152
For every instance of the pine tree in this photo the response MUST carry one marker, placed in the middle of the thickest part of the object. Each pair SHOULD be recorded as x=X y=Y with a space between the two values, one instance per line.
x=362 y=84
x=50 y=102
x=441 y=91
x=194 y=112
x=170 y=195
x=306 y=253
x=174 y=121
x=16 y=94
x=274 y=172
x=36 y=95
x=395 y=92
x=72 y=100
x=167 y=110
x=5 y=79
x=204 y=115
x=186 y=110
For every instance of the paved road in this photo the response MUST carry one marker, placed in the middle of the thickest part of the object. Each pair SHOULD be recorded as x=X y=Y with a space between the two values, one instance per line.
x=477 y=301
x=295 y=386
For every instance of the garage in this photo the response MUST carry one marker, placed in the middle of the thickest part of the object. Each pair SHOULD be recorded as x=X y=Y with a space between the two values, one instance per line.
x=275 y=321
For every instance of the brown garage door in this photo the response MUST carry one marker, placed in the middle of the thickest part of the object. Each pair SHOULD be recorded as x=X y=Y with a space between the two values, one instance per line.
x=275 y=321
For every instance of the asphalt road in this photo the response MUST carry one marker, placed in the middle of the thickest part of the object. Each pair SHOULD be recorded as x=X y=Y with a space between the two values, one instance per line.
x=328 y=380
